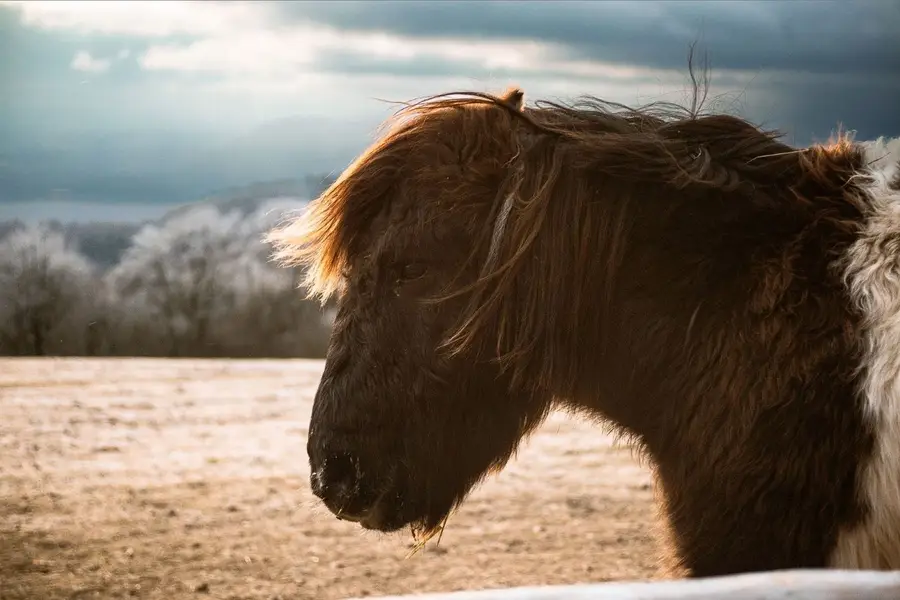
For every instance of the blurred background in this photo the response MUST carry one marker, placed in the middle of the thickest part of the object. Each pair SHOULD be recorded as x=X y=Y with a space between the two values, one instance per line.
x=146 y=146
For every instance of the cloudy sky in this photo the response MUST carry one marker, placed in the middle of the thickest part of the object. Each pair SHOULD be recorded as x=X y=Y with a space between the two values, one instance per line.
x=151 y=82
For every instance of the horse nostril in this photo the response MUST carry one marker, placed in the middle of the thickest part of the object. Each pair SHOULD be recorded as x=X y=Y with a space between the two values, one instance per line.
x=336 y=479
x=341 y=468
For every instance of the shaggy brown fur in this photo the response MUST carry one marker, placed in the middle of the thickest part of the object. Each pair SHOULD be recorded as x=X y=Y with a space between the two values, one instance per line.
x=669 y=271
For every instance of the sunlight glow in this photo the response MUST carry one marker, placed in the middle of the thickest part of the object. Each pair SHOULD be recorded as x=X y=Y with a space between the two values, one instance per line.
x=138 y=17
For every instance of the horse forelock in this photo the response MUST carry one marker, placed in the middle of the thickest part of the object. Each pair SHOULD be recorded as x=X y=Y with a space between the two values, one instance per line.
x=322 y=240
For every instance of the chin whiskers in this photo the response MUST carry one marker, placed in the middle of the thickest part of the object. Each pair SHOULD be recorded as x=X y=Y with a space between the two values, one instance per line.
x=421 y=535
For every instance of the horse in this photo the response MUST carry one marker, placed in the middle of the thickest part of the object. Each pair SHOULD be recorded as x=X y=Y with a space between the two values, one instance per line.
x=727 y=302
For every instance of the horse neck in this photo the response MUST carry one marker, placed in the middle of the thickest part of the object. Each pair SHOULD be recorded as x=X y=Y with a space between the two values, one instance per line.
x=685 y=292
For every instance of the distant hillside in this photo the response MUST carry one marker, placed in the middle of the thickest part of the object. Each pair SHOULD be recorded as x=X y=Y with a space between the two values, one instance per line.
x=104 y=243
x=248 y=199
x=157 y=167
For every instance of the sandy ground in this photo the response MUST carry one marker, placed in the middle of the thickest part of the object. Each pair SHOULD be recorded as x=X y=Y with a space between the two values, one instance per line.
x=188 y=479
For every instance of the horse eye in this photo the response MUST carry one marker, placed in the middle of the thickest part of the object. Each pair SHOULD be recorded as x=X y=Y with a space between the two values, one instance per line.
x=412 y=271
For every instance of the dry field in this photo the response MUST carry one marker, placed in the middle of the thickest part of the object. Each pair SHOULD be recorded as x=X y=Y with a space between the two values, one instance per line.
x=188 y=479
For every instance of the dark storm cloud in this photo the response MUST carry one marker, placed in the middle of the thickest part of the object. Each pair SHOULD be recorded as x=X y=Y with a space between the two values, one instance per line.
x=812 y=111
x=838 y=37
x=817 y=64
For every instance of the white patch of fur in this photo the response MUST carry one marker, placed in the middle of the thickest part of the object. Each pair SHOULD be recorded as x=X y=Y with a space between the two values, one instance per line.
x=872 y=271
x=883 y=155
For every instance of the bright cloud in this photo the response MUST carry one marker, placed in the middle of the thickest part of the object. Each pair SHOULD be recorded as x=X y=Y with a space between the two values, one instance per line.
x=240 y=39
x=275 y=51
x=138 y=17
x=308 y=48
x=83 y=61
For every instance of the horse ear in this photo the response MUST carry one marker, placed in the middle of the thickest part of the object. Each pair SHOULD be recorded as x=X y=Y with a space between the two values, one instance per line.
x=515 y=97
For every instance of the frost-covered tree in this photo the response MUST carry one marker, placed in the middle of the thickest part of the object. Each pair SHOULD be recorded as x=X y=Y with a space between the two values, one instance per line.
x=199 y=284
x=185 y=276
x=276 y=319
x=46 y=290
x=202 y=284
x=273 y=307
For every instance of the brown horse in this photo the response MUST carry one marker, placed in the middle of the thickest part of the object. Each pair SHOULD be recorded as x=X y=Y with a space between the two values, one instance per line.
x=727 y=301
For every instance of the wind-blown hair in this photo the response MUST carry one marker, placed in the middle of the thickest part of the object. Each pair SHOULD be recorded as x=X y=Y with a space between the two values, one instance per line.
x=555 y=151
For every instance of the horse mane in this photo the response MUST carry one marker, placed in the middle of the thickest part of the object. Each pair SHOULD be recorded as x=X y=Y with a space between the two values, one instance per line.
x=543 y=221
